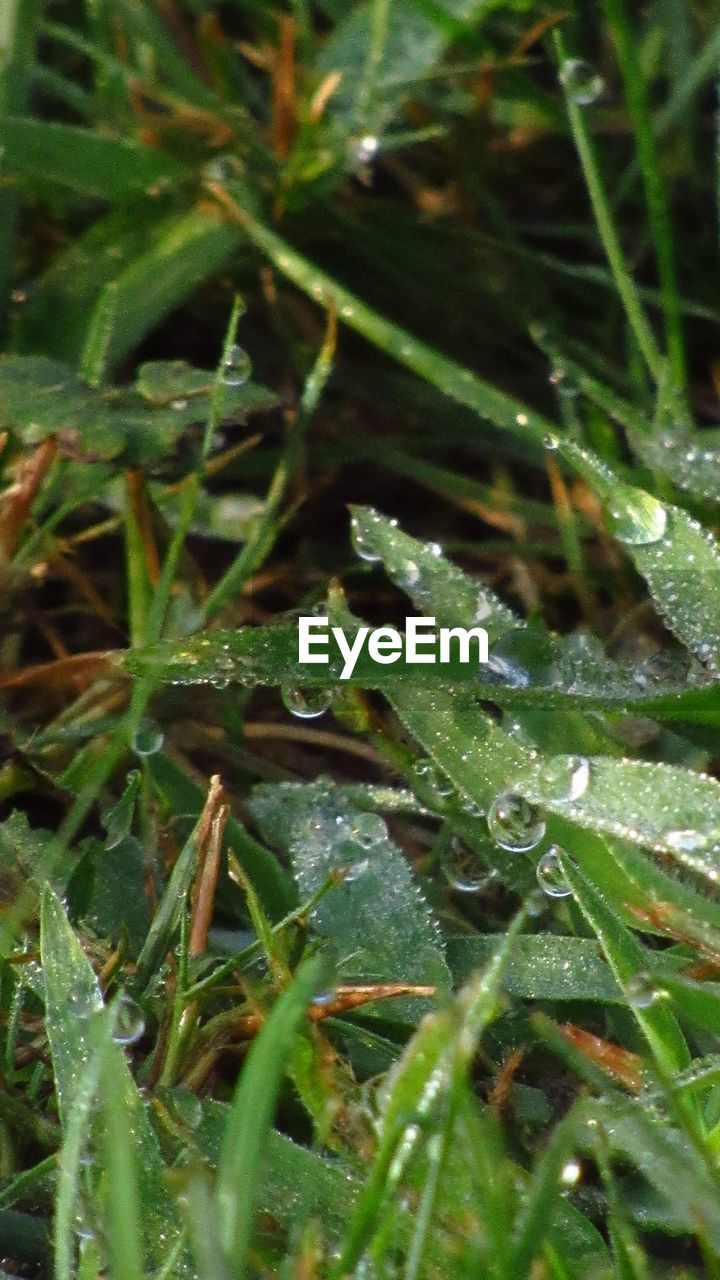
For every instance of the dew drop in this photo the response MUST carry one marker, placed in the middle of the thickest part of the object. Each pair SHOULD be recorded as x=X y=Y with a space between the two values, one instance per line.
x=308 y=703
x=355 y=870
x=685 y=840
x=571 y=1173
x=368 y=829
x=643 y=990
x=85 y=1004
x=583 y=83
x=551 y=443
x=514 y=823
x=129 y=1021
x=463 y=869
x=550 y=875
x=237 y=367
x=567 y=778
x=361 y=546
x=147 y=739
x=639 y=520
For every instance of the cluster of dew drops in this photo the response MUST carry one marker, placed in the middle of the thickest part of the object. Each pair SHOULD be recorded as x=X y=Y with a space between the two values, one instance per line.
x=517 y=826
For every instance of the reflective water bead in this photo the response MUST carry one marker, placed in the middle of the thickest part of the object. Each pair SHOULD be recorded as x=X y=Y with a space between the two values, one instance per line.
x=571 y=1173
x=514 y=823
x=567 y=778
x=583 y=83
x=551 y=443
x=639 y=520
x=550 y=874
x=308 y=703
x=85 y=1004
x=148 y=738
x=129 y=1021
x=463 y=869
x=237 y=367
x=361 y=546
x=643 y=990
x=368 y=829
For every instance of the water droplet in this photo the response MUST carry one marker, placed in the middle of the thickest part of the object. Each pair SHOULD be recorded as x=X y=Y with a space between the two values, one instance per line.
x=583 y=83
x=409 y=573
x=129 y=1021
x=535 y=903
x=308 y=703
x=361 y=546
x=499 y=670
x=436 y=782
x=148 y=738
x=179 y=405
x=514 y=823
x=368 y=829
x=566 y=777
x=355 y=870
x=463 y=869
x=686 y=840
x=551 y=443
x=643 y=990
x=237 y=367
x=639 y=520
x=85 y=1004
x=571 y=1173
x=550 y=874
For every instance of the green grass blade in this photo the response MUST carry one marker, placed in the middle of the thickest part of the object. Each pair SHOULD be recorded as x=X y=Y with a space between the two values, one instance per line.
x=251 y=1115
x=123 y=1217
x=606 y=227
x=679 y=559
x=636 y=95
x=440 y=371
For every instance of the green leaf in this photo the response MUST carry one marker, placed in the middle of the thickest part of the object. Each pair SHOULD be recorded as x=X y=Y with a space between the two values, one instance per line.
x=414 y=1091
x=376 y=925
x=660 y=806
x=691 y=459
x=679 y=559
x=542 y=966
x=251 y=1115
x=109 y=168
x=186 y=250
x=664 y=1156
x=72 y=1001
x=628 y=960
x=41 y=397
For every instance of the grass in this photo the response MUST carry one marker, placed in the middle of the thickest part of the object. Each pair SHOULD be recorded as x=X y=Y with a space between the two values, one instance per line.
x=371 y=310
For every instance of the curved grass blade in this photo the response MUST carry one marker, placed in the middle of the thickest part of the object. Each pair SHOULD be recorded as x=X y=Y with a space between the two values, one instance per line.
x=542 y=966
x=678 y=558
x=627 y=959
x=251 y=1115
x=659 y=806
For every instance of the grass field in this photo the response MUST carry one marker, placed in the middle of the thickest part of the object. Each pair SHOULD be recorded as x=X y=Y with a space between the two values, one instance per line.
x=359 y=311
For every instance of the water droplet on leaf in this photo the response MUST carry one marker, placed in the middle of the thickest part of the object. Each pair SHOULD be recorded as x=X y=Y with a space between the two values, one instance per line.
x=514 y=823
x=550 y=875
x=361 y=546
x=643 y=990
x=237 y=367
x=308 y=703
x=639 y=519
x=583 y=83
x=129 y=1021
x=148 y=738
x=462 y=867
